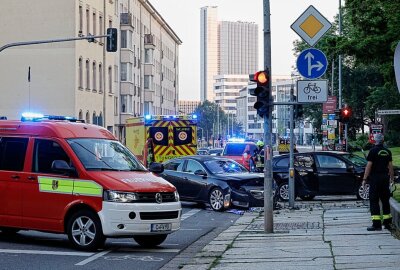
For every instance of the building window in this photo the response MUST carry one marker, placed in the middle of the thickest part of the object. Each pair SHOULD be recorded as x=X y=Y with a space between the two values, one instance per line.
x=94 y=24
x=100 y=78
x=115 y=106
x=80 y=115
x=124 y=72
x=87 y=22
x=148 y=56
x=101 y=25
x=80 y=83
x=80 y=20
x=146 y=83
x=87 y=75
x=94 y=71
x=87 y=117
x=124 y=39
x=110 y=82
x=124 y=103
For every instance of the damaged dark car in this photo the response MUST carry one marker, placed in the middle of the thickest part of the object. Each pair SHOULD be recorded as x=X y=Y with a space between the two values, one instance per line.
x=220 y=182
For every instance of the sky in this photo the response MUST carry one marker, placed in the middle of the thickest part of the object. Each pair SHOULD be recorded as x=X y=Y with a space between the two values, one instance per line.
x=183 y=16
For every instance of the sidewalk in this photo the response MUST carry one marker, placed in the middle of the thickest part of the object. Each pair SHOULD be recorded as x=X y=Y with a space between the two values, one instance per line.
x=319 y=236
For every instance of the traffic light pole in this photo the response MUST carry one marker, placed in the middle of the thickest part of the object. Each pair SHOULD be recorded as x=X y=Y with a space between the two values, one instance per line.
x=15 y=44
x=345 y=135
x=268 y=200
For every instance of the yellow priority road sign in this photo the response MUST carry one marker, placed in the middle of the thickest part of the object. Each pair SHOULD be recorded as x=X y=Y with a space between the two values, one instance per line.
x=311 y=25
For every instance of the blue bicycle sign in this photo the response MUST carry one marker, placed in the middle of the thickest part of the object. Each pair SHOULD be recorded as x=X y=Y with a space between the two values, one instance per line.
x=312 y=63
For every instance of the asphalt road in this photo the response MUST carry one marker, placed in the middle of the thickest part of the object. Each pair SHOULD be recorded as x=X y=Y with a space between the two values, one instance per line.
x=37 y=250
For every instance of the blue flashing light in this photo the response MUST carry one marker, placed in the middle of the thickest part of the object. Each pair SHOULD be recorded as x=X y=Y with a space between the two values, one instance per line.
x=147 y=117
x=236 y=140
x=194 y=116
x=233 y=165
x=29 y=116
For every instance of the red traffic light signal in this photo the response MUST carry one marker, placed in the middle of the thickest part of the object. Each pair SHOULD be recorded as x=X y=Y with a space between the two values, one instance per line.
x=345 y=114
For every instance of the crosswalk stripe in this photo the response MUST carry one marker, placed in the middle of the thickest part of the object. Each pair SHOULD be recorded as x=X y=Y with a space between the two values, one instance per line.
x=190 y=213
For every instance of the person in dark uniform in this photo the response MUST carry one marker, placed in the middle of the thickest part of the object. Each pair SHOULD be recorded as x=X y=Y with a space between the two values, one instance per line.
x=379 y=174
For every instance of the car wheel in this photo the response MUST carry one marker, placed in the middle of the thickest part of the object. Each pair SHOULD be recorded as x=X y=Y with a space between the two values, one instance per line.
x=9 y=231
x=307 y=197
x=363 y=192
x=283 y=191
x=216 y=199
x=84 y=230
x=149 y=241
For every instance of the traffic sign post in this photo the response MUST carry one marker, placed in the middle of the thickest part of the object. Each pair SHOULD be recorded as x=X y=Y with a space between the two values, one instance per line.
x=312 y=63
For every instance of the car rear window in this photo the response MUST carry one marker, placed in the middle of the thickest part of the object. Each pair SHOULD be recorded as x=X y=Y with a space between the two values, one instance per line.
x=237 y=149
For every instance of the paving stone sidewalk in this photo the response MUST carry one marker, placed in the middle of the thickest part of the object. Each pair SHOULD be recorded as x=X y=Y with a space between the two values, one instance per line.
x=316 y=236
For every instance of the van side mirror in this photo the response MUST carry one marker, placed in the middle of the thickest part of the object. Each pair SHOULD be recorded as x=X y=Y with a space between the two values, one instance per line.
x=156 y=167
x=62 y=166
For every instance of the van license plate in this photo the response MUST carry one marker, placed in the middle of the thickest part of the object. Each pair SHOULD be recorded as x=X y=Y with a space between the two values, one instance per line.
x=161 y=227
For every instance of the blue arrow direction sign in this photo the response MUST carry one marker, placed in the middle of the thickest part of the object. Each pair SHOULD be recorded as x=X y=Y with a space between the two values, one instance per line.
x=312 y=63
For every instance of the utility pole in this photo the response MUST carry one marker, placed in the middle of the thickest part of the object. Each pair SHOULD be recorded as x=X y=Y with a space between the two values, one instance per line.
x=268 y=152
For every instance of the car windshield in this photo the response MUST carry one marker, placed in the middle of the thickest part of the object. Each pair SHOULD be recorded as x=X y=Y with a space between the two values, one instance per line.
x=104 y=155
x=356 y=160
x=215 y=151
x=220 y=166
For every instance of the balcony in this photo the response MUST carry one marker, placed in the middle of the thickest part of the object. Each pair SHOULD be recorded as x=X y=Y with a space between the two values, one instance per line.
x=149 y=41
x=126 y=19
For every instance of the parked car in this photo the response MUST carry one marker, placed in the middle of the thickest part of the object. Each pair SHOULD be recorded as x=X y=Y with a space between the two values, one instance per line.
x=221 y=182
x=321 y=173
x=202 y=152
x=240 y=152
x=215 y=151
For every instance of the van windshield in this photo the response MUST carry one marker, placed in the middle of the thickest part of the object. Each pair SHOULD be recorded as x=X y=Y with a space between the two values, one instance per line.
x=104 y=155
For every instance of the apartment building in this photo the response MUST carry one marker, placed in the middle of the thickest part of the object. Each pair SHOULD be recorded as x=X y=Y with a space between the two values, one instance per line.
x=149 y=61
x=188 y=106
x=77 y=78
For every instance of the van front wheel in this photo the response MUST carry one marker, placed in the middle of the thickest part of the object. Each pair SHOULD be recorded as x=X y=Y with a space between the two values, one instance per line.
x=84 y=230
x=149 y=241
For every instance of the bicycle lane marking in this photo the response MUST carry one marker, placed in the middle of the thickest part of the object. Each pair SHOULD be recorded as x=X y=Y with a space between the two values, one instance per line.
x=94 y=257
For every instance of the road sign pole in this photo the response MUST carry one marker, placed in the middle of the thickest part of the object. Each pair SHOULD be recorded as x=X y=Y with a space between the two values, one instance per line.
x=268 y=200
x=291 y=167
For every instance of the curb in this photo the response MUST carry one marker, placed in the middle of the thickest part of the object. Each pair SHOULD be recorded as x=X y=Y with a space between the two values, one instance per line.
x=395 y=211
x=212 y=252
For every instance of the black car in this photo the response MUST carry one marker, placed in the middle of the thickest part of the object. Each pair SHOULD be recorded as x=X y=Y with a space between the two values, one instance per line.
x=321 y=173
x=221 y=182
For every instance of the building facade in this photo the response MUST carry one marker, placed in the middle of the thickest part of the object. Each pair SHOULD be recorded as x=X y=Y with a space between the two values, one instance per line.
x=149 y=62
x=80 y=78
x=68 y=78
x=208 y=51
x=226 y=89
x=226 y=48
x=238 y=47
x=188 y=106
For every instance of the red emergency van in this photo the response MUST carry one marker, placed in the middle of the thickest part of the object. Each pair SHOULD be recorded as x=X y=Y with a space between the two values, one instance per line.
x=62 y=176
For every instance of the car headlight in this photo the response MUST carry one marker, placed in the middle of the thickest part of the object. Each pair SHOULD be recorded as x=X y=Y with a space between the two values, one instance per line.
x=122 y=197
x=176 y=196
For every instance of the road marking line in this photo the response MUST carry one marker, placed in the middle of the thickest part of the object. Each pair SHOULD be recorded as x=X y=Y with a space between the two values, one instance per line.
x=149 y=250
x=44 y=252
x=190 y=213
x=94 y=257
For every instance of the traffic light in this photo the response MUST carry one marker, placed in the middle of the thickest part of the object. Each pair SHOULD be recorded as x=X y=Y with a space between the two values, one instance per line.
x=345 y=114
x=112 y=40
x=298 y=111
x=262 y=92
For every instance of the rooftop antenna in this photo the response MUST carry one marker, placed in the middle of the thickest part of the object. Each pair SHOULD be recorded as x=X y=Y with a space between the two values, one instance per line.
x=29 y=88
